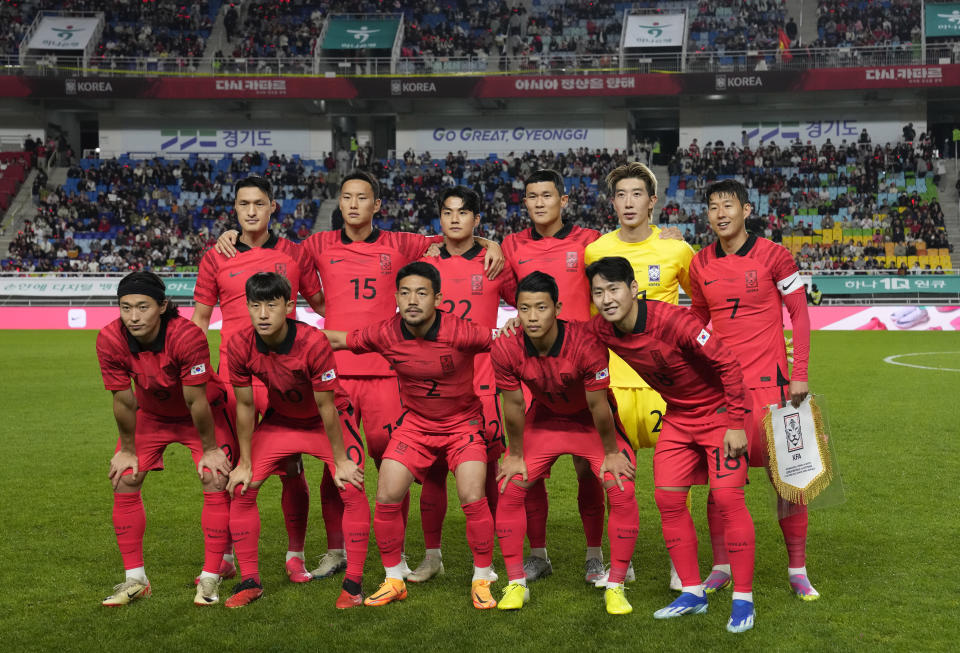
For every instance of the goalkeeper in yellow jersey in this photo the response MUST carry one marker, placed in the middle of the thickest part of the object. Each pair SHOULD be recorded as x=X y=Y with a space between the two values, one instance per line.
x=661 y=264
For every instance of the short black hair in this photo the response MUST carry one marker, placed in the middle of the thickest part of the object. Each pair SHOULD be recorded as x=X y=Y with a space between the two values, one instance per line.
x=253 y=181
x=729 y=188
x=144 y=282
x=420 y=269
x=264 y=286
x=471 y=200
x=363 y=175
x=545 y=174
x=538 y=281
x=612 y=268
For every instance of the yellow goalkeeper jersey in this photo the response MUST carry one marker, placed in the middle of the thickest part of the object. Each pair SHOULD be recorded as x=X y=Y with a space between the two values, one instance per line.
x=661 y=267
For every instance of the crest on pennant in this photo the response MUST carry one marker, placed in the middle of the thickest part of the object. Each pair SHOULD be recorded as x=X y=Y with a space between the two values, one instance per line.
x=801 y=465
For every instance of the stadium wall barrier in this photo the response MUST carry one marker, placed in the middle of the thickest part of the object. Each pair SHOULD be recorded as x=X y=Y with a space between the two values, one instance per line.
x=822 y=318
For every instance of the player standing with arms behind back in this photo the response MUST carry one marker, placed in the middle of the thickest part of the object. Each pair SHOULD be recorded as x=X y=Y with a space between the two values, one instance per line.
x=742 y=282
x=176 y=397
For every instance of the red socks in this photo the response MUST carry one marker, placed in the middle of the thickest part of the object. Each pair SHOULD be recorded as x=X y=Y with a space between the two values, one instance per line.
x=491 y=489
x=479 y=532
x=793 y=523
x=245 y=531
x=331 y=507
x=718 y=540
x=388 y=531
x=512 y=524
x=740 y=538
x=536 y=507
x=129 y=523
x=624 y=522
x=356 y=526
x=215 y=521
x=679 y=534
x=433 y=505
x=295 y=502
x=590 y=503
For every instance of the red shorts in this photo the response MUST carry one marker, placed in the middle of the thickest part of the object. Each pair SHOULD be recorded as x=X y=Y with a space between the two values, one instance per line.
x=690 y=452
x=758 y=399
x=376 y=400
x=493 y=427
x=418 y=451
x=153 y=435
x=277 y=438
x=545 y=441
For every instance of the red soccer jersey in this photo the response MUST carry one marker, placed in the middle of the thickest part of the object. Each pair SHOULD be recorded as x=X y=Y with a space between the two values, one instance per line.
x=468 y=293
x=302 y=364
x=577 y=362
x=743 y=295
x=560 y=256
x=224 y=280
x=695 y=374
x=179 y=356
x=435 y=373
x=359 y=282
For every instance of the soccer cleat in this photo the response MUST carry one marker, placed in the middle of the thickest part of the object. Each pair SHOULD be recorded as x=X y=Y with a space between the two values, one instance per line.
x=716 y=581
x=616 y=600
x=227 y=570
x=390 y=590
x=331 y=563
x=535 y=567
x=347 y=600
x=207 y=589
x=128 y=591
x=514 y=597
x=480 y=592
x=686 y=603
x=430 y=567
x=245 y=593
x=741 y=616
x=802 y=588
x=909 y=317
x=593 y=570
x=297 y=572
x=601 y=583
x=873 y=325
x=405 y=568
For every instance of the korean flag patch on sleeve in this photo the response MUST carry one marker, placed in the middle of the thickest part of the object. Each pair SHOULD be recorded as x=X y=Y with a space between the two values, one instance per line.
x=703 y=337
x=198 y=369
x=329 y=375
x=602 y=374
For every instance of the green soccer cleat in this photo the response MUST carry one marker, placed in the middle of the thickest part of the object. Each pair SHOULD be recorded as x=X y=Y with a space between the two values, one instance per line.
x=616 y=600
x=514 y=597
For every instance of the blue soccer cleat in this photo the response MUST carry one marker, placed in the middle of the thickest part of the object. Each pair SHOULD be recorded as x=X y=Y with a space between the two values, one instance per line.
x=741 y=616
x=686 y=603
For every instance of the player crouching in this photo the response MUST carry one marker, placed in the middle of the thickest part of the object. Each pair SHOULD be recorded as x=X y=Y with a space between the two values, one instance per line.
x=565 y=368
x=294 y=361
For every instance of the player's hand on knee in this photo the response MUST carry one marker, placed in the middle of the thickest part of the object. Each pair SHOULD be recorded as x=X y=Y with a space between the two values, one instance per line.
x=511 y=466
x=240 y=476
x=618 y=466
x=216 y=461
x=121 y=462
x=735 y=443
x=348 y=472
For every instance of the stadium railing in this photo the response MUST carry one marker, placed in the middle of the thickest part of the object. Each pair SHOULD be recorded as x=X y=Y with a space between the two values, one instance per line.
x=529 y=64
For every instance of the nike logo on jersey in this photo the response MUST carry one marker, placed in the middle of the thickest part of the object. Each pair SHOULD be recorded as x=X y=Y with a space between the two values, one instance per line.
x=234 y=274
x=707 y=283
x=524 y=260
x=337 y=260
x=724 y=475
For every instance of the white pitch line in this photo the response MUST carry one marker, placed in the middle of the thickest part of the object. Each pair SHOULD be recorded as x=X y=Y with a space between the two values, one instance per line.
x=892 y=360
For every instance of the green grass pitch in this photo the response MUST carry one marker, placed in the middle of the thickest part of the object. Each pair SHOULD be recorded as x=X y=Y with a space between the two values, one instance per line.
x=886 y=561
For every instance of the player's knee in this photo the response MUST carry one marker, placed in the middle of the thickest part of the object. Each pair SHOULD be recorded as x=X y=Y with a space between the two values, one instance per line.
x=670 y=501
x=212 y=482
x=729 y=499
x=625 y=499
x=470 y=494
x=130 y=484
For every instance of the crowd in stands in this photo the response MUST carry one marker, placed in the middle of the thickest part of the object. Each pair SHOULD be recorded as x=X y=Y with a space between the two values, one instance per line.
x=846 y=23
x=853 y=206
x=734 y=25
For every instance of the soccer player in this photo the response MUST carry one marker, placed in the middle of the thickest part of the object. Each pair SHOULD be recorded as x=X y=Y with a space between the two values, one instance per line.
x=357 y=265
x=432 y=352
x=566 y=370
x=661 y=265
x=176 y=397
x=702 y=437
x=309 y=414
x=222 y=280
x=557 y=248
x=742 y=282
x=467 y=293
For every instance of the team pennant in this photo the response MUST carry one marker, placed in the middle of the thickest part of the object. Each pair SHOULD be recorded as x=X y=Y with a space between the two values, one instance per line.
x=801 y=464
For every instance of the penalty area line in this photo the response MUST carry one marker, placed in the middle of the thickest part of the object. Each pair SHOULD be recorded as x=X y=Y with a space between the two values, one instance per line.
x=892 y=360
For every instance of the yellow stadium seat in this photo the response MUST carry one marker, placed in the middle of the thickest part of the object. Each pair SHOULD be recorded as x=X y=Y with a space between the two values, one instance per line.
x=888 y=249
x=911 y=260
x=924 y=260
x=901 y=260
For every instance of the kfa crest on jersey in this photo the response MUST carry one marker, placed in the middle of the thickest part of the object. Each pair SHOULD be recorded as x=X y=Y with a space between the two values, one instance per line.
x=386 y=264
x=572 y=259
x=750 y=280
x=653 y=275
x=476 y=284
x=281 y=269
